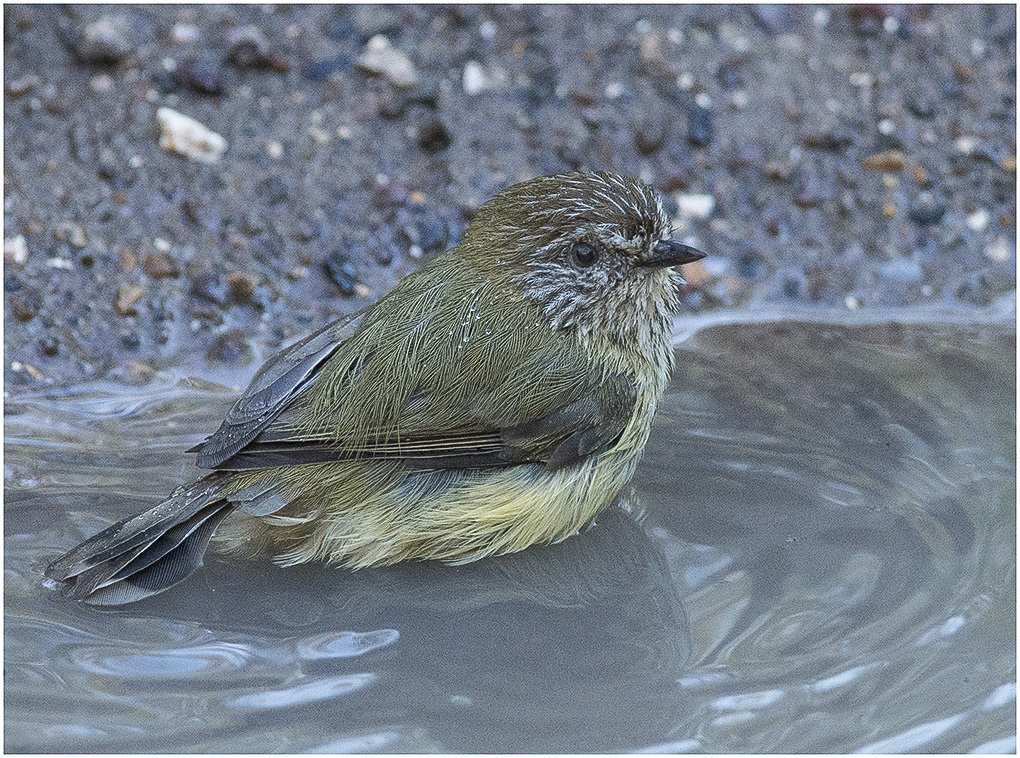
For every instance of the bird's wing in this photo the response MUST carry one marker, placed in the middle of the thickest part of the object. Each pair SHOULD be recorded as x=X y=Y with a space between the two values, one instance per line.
x=588 y=421
x=430 y=384
x=283 y=378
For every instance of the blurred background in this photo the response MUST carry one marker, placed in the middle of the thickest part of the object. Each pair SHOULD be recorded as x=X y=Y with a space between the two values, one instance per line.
x=834 y=157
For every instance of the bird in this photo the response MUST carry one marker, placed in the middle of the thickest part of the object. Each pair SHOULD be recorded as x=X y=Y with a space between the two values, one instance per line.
x=497 y=398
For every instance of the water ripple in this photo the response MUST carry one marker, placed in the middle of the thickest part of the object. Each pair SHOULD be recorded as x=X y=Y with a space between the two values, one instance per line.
x=301 y=694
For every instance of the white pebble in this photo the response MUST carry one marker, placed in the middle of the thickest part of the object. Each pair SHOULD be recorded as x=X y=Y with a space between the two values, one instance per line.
x=381 y=57
x=821 y=17
x=703 y=100
x=16 y=250
x=487 y=30
x=185 y=136
x=886 y=126
x=999 y=250
x=61 y=263
x=473 y=80
x=184 y=33
x=861 y=79
x=978 y=220
x=274 y=149
x=891 y=24
x=614 y=90
x=967 y=144
x=695 y=206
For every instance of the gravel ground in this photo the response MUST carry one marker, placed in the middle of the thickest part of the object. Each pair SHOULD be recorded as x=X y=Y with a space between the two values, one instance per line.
x=847 y=157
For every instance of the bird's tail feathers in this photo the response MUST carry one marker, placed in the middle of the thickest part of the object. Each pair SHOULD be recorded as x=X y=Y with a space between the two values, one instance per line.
x=145 y=554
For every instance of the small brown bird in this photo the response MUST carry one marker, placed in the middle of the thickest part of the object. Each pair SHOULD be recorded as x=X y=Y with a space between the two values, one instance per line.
x=497 y=398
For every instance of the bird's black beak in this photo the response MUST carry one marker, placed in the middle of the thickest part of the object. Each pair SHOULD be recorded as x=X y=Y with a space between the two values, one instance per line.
x=670 y=253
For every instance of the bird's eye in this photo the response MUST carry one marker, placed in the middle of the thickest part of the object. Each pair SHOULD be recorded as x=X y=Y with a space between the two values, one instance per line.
x=584 y=254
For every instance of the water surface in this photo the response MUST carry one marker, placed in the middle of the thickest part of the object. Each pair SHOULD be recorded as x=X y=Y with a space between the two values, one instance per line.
x=817 y=554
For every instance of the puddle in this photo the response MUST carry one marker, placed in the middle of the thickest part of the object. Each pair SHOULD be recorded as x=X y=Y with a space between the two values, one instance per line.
x=817 y=555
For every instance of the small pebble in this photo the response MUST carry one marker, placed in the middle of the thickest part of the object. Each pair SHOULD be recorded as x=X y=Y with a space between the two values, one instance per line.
x=891 y=160
x=249 y=47
x=926 y=210
x=60 y=263
x=241 y=287
x=185 y=136
x=380 y=57
x=25 y=304
x=72 y=234
x=1008 y=164
x=473 y=79
x=967 y=144
x=22 y=85
x=700 y=127
x=201 y=76
x=49 y=346
x=161 y=266
x=695 y=206
x=999 y=250
x=978 y=220
x=106 y=40
x=185 y=33
x=434 y=136
x=342 y=272
x=209 y=286
x=15 y=250
x=230 y=349
x=487 y=30
x=128 y=296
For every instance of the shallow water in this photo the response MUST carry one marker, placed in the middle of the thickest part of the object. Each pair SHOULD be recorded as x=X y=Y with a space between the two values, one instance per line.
x=818 y=554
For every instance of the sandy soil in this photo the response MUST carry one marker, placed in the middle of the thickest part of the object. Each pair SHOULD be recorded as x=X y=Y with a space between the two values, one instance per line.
x=847 y=157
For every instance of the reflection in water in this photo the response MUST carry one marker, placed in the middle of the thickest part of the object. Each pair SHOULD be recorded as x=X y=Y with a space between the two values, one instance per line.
x=835 y=508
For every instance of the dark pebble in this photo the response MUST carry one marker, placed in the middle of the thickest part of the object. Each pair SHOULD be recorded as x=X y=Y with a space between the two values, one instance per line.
x=393 y=105
x=161 y=266
x=131 y=340
x=926 y=211
x=201 y=76
x=794 y=286
x=11 y=284
x=434 y=136
x=342 y=272
x=22 y=85
x=49 y=346
x=834 y=141
x=230 y=349
x=274 y=189
x=700 y=127
x=210 y=286
x=427 y=229
x=752 y=265
x=25 y=304
x=241 y=287
x=649 y=135
x=921 y=106
x=542 y=86
x=249 y=47
x=322 y=70
x=106 y=40
x=729 y=75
